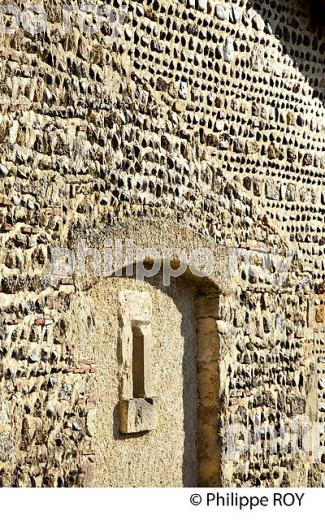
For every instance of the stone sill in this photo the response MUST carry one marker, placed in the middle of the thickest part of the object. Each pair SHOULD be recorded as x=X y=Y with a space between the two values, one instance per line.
x=138 y=415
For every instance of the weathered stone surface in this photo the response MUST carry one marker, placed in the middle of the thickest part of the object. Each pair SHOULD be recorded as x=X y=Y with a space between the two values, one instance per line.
x=137 y=415
x=206 y=115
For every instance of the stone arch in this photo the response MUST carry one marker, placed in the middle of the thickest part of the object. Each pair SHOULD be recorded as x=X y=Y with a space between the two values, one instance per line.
x=210 y=290
x=158 y=236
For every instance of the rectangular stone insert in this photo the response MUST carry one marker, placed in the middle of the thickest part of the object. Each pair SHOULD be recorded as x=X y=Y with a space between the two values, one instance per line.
x=137 y=410
x=137 y=415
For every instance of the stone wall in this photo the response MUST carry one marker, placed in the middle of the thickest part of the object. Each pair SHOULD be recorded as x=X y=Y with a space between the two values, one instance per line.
x=208 y=115
x=166 y=456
